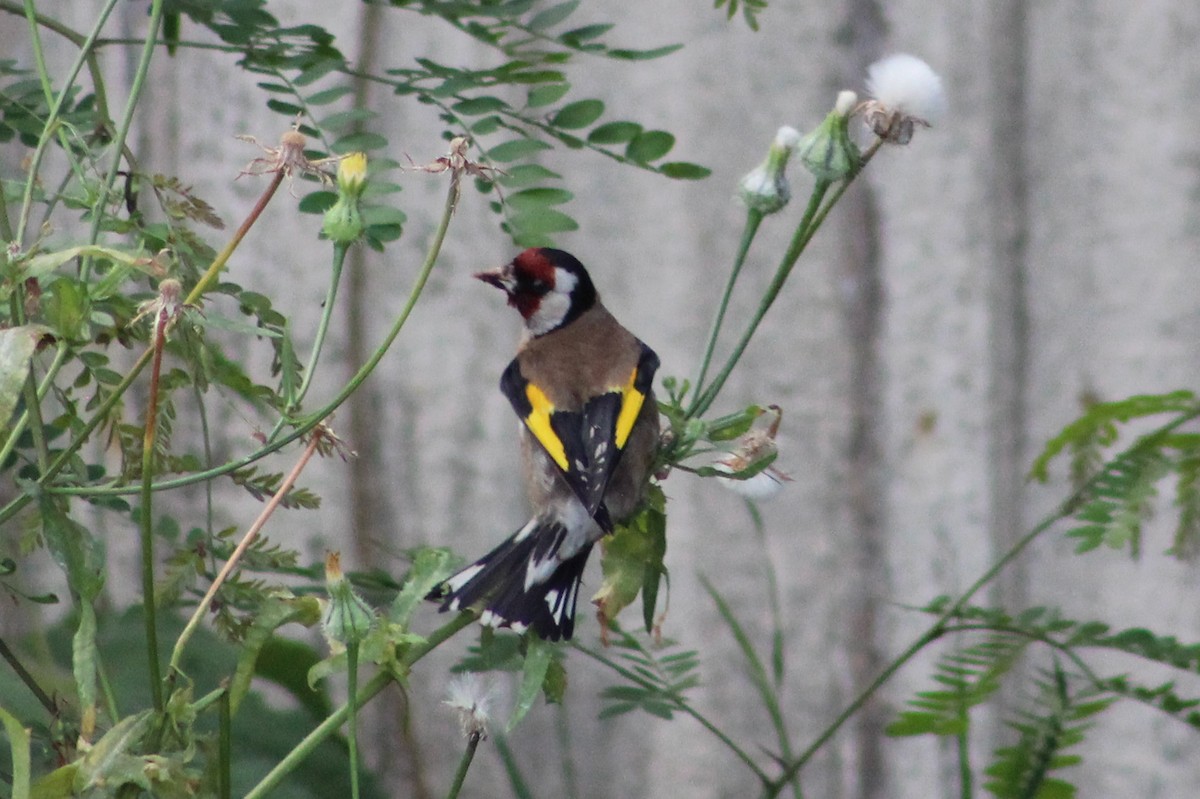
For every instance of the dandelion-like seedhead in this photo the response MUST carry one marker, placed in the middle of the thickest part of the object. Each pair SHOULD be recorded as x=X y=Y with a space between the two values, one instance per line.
x=473 y=697
x=905 y=92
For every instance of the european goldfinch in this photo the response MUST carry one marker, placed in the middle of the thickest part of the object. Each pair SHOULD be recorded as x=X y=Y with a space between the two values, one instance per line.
x=582 y=387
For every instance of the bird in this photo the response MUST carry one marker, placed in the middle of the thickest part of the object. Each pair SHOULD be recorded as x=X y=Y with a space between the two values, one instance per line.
x=582 y=386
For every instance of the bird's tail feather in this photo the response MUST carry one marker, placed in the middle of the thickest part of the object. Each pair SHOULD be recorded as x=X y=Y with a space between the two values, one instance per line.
x=521 y=584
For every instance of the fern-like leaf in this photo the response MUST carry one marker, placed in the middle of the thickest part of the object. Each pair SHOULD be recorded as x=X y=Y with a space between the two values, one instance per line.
x=1098 y=425
x=1120 y=500
x=1023 y=770
x=657 y=679
x=966 y=677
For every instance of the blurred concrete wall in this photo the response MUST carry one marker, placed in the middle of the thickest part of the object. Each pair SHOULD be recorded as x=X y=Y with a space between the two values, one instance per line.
x=1035 y=248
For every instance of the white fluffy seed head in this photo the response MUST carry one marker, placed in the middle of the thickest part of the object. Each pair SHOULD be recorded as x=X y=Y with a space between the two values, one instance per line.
x=906 y=84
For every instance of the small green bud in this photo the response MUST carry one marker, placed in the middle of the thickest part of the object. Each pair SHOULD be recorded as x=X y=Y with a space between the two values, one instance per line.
x=828 y=151
x=348 y=618
x=765 y=189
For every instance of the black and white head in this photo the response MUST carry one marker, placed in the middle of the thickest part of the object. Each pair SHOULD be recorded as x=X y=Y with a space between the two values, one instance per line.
x=549 y=287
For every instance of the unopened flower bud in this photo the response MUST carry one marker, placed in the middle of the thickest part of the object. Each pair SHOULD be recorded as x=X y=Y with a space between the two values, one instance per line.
x=348 y=618
x=352 y=174
x=828 y=151
x=343 y=222
x=765 y=189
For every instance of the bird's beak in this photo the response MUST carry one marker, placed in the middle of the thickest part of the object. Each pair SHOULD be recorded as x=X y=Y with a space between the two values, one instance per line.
x=501 y=277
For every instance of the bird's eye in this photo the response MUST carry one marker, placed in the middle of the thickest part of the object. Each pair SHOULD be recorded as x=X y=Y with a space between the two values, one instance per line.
x=539 y=286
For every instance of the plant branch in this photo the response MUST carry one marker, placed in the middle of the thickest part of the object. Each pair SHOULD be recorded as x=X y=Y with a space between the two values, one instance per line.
x=249 y=538
x=149 y=440
x=460 y=775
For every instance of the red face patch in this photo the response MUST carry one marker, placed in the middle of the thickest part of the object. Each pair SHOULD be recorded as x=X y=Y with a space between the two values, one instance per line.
x=533 y=265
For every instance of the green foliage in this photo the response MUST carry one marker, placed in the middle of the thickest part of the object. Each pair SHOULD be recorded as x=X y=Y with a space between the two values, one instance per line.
x=965 y=677
x=1022 y=770
x=657 y=678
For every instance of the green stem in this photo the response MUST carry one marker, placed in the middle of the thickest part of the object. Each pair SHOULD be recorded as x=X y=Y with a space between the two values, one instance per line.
x=369 y=691
x=123 y=128
x=460 y=775
x=814 y=216
x=352 y=690
x=754 y=218
x=225 y=747
x=28 y=679
x=149 y=440
x=799 y=240
x=339 y=260
x=52 y=120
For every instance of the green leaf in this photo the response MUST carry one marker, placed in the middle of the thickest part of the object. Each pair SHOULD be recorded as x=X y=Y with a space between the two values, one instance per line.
x=553 y=16
x=430 y=566
x=106 y=759
x=576 y=36
x=545 y=220
x=361 y=141
x=614 y=133
x=285 y=108
x=682 y=170
x=74 y=548
x=17 y=345
x=18 y=745
x=327 y=96
x=515 y=149
x=524 y=174
x=479 y=105
x=547 y=95
x=346 y=119
x=644 y=55
x=273 y=613
x=537 y=198
x=633 y=560
x=538 y=658
x=578 y=114
x=317 y=202
x=649 y=145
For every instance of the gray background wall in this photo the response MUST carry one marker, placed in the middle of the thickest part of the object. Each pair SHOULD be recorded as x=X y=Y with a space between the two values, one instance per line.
x=1035 y=248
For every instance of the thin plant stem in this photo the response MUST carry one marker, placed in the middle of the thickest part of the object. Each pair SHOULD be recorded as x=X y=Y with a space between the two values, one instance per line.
x=352 y=700
x=965 y=778
x=369 y=691
x=123 y=128
x=225 y=746
x=460 y=775
x=754 y=218
x=248 y=539
x=814 y=216
x=339 y=260
x=799 y=239
x=39 y=151
x=27 y=678
x=146 y=521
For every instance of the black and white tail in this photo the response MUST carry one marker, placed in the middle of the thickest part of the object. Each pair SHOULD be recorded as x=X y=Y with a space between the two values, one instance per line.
x=522 y=584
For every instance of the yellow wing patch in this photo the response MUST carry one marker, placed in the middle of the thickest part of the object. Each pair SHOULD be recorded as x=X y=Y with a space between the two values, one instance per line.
x=631 y=406
x=538 y=422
